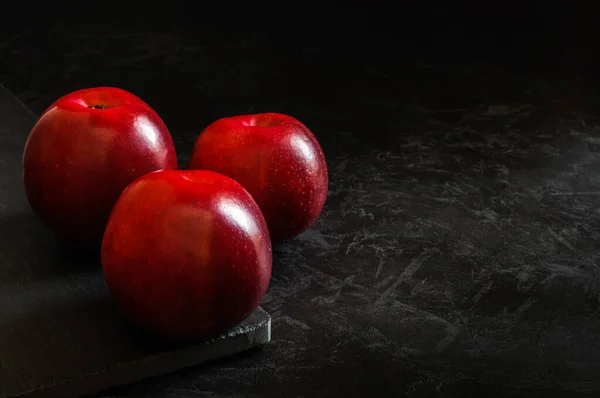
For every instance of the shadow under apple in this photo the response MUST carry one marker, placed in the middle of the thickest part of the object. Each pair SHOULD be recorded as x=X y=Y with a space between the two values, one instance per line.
x=29 y=252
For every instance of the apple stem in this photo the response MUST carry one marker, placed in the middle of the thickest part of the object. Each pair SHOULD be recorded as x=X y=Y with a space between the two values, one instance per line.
x=103 y=106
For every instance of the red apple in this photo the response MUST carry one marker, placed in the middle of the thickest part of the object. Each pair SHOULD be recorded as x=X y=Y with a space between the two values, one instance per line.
x=186 y=253
x=277 y=159
x=83 y=152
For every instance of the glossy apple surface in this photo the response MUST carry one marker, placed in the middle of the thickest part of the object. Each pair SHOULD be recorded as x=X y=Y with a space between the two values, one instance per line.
x=277 y=159
x=186 y=254
x=83 y=152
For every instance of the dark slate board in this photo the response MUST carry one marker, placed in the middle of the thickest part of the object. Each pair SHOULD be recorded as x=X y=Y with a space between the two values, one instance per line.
x=60 y=333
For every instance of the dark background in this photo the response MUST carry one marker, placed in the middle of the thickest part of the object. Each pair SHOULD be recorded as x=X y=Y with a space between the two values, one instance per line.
x=456 y=255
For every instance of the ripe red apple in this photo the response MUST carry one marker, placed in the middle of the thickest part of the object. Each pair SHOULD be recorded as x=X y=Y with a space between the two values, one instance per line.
x=186 y=253
x=83 y=152
x=277 y=159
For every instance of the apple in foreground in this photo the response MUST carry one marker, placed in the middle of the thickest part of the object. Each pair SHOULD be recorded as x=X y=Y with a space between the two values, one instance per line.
x=277 y=159
x=186 y=254
x=82 y=153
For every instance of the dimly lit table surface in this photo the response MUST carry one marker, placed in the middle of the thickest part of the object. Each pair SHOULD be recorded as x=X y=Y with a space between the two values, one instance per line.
x=458 y=251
